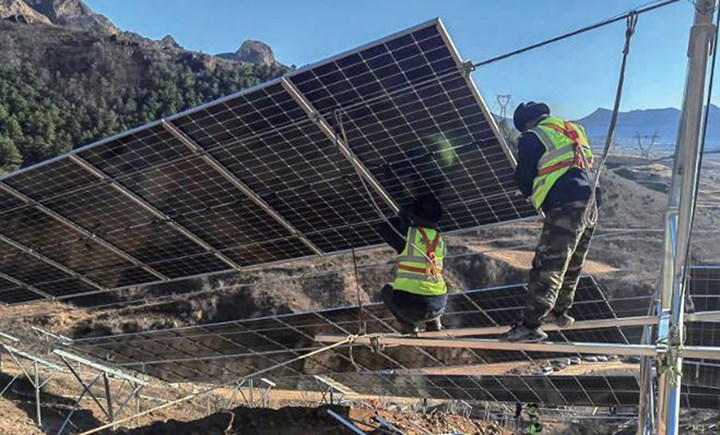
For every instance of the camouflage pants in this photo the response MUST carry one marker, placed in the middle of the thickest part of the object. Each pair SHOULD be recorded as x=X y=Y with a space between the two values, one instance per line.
x=558 y=262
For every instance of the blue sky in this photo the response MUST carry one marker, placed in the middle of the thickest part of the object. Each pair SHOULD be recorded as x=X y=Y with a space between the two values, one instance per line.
x=575 y=76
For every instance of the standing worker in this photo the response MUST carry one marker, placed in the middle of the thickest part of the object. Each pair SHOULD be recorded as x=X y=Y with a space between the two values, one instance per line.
x=419 y=293
x=554 y=166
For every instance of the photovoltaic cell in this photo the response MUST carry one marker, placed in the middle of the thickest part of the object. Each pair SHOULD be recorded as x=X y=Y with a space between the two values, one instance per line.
x=287 y=336
x=704 y=288
x=136 y=152
x=17 y=295
x=405 y=106
x=50 y=179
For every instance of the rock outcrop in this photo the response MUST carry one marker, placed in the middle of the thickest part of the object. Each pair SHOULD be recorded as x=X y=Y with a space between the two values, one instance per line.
x=252 y=52
x=73 y=13
x=19 y=11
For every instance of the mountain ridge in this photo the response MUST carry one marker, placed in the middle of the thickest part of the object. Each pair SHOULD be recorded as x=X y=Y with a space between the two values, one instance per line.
x=75 y=14
x=646 y=123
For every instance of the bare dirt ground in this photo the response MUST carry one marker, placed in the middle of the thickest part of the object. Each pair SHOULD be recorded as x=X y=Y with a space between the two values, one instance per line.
x=206 y=414
x=297 y=421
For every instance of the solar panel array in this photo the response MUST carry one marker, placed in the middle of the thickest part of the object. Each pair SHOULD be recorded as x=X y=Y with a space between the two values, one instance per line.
x=261 y=176
x=229 y=350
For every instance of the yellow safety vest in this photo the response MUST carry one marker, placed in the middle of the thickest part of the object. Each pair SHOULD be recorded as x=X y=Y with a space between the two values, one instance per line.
x=566 y=146
x=419 y=270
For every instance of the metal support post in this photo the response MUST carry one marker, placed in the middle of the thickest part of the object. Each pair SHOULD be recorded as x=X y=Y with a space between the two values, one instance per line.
x=679 y=219
x=238 y=385
x=391 y=427
x=76 y=405
x=33 y=379
x=108 y=399
x=646 y=406
x=36 y=384
x=345 y=423
x=110 y=409
x=327 y=395
x=265 y=398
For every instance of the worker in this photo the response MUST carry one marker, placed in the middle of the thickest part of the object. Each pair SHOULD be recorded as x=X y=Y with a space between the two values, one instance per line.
x=418 y=294
x=554 y=170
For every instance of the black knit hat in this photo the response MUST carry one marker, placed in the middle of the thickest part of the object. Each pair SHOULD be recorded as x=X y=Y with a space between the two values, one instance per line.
x=427 y=208
x=527 y=112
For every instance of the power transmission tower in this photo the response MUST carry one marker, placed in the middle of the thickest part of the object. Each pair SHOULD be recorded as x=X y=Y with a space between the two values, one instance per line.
x=503 y=101
x=646 y=147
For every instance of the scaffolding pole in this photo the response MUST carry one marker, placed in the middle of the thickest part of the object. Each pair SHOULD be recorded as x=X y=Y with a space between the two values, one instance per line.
x=678 y=222
x=649 y=350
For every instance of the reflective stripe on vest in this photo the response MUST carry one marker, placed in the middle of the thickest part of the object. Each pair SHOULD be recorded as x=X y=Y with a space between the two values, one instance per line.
x=420 y=266
x=566 y=146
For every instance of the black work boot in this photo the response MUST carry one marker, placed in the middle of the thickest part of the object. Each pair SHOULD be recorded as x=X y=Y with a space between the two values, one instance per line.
x=523 y=333
x=433 y=325
x=407 y=328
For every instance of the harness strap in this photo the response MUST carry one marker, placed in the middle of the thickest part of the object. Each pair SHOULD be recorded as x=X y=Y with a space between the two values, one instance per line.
x=578 y=160
x=431 y=268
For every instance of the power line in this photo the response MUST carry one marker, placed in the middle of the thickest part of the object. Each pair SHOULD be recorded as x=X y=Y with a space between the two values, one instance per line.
x=650 y=7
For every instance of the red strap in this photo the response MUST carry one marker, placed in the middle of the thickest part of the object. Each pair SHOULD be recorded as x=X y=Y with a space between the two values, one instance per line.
x=430 y=247
x=578 y=157
x=431 y=268
x=568 y=131
x=415 y=269
x=556 y=167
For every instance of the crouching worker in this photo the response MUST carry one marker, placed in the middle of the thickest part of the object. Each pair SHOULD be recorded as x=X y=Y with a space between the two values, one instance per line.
x=419 y=294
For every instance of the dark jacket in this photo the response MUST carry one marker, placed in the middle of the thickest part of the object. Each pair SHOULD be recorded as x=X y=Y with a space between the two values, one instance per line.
x=392 y=236
x=396 y=237
x=574 y=185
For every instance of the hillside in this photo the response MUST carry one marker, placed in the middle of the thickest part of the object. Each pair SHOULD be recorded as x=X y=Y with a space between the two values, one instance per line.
x=66 y=85
x=662 y=122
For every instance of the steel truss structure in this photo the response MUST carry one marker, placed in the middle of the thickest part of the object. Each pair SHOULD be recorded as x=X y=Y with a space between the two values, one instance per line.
x=112 y=401
x=249 y=392
x=31 y=370
x=114 y=404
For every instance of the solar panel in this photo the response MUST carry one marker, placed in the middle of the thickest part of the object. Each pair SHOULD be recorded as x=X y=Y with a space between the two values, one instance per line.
x=704 y=288
x=238 y=348
x=303 y=165
x=701 y=373
x=548 y=390
x=704 y=291
x=574 y=391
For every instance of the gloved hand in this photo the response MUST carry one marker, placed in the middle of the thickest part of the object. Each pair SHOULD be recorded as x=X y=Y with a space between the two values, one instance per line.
x=405 y=216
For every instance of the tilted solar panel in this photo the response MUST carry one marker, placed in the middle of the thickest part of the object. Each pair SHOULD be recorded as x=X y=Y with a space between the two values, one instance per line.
x=304 y=165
